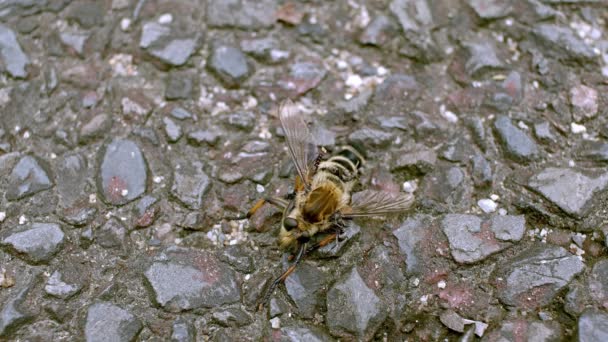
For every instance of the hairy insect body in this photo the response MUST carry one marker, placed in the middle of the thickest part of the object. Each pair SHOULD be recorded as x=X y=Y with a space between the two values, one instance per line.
x=330 y=191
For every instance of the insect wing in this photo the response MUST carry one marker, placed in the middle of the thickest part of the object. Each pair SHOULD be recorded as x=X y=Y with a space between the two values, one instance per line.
x=372 y=203
x=299 y=139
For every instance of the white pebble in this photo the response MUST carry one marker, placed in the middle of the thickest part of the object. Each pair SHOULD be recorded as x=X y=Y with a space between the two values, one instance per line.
x=275 y=323
x=487 y=205
x=26 y=135
x=341 y=64
x=502 y=211
x=2 y=216
x=409 y=186
x=381 y=71
x=450 y=116
x=124 y=192
x=157 y=179
x=166 y=18
x=576 y=128
x=571 y=163
x=22 y=219
x=441 y=284
x=354 y=81
x=416 y=282
x=125 y=23
x=522 y=125
x=494 y=197
x=92 y=198
x=259 y=188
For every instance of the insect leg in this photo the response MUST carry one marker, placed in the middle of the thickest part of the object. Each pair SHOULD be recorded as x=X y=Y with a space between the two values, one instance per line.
x=299 y=256
x=326 y=240
x=276 y=201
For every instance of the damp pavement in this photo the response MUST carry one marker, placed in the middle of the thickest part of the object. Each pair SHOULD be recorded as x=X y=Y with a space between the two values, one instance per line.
x=135 y=135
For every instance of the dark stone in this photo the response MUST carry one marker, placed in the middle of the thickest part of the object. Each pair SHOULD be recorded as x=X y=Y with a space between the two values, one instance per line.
x=304 y=333
x=28 y=177
x=57 y=287
x=95 y=128
x=75 y=41
x=482 y=57
x=183 y=279
x=378 y=31
x=146 y=211
x=598 y=282
x=232 y=317
x=243 y=14
x=87 y=14
x=516 y=143
x=371 y=137
x=416 y=20
x=242 y=120
x=37 y=243
x=108 y=322
x=230 y=65
x=72 y=172
x=13 y=314
x=171 y=49
x=526 y=329
x=482 y=171
x=237 y=257
x=112 y=234
x=148 y=134
x=265 y=49
x=13 y=59
x=337 y=248
x=303 y=287
x=123 y=173
x=190 y=184
x=534 y=277
x=543 y=132
x=570 y=190
x=353 y=308
x=593 y=150
x=179 y=87
x=492 y=9
x=562 y=43
x=421 y=160
x=302 y=77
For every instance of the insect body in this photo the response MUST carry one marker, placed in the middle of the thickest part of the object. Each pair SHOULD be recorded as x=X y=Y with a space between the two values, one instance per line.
x=322 y=200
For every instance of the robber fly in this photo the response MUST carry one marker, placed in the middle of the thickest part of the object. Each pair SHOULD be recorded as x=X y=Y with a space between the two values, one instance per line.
x=321 y=202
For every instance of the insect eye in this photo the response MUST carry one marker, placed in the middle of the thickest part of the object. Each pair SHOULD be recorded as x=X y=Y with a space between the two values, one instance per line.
x=290 y=223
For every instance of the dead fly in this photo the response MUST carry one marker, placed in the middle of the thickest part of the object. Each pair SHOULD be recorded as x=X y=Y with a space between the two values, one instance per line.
x=321 y=202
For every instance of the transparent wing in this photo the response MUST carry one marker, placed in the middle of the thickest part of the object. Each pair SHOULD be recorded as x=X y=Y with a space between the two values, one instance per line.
x=299 y=139
x=372 y=203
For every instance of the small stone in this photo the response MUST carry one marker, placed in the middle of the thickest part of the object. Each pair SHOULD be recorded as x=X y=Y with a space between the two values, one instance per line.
x=180 y=113
x=237 y=257
x=265 y=49
x=190 y=184
x=2 y=216
x=12 y=57
x=353 y=308
x=232 y=317
x=577 y=129
x=13 y=314
x=527 y=329
x=56 y=287
x=242 y=120
x=108 y=322
x=95 y=128
x=302 y=77
x=303 y=287
x=185 y=279
x=175 y=52
x=152 y=32
x=472 y=239
x=230 y=65
x=517 y=144
x=593 y=150
x=123 y=167
x=482 y=57
x=275 y=323
x=146 y=211
x=421 y=160
x=179 y=87
x=72 y=172
x=172 y=130
x=562 y=43
x=593 y=326
x=112 y=234
x=534 y=277
x=182 y=331
x=378 y=31
x=74 y=40
x=570 y=190
x=487 y=205
x=37 y=243
x=200 y=137
x=304 y=333
x=492 y=9
x=242 y=14
x=543 y=132
x=28 y=177
x=87 y=13
x=371 y=137
x=584 y=102
x=482 y=171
